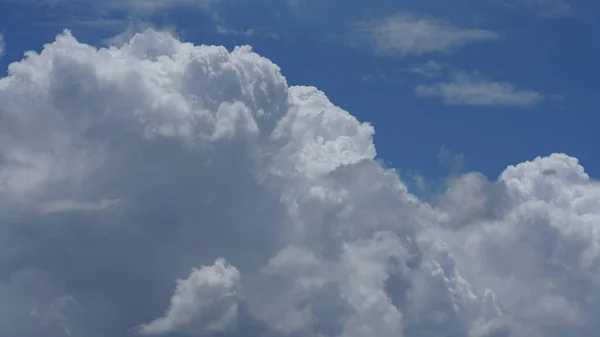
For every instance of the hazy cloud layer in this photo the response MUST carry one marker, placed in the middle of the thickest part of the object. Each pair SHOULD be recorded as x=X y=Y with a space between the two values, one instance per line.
x=271 y=196
x=403 y=34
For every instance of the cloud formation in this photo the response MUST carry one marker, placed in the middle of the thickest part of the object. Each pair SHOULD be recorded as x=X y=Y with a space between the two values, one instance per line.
x=271 y=195
x=471 y=90
x=209 y=294
x=403 y=34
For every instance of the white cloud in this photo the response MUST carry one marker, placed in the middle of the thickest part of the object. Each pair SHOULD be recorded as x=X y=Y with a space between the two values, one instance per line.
x=535 y=223
x=476 y=91
x=217 y=157
x=405 y=34
x=133 y=27
x=204 y=303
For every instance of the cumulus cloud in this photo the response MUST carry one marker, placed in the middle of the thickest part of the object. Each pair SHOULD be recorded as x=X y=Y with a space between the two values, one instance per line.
x=531 y=225
x=209 y=293
x=215 y=158
x=403 y=34
x=465 y=89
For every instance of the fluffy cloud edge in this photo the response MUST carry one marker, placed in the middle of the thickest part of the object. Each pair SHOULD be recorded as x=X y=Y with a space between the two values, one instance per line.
x=209 y=291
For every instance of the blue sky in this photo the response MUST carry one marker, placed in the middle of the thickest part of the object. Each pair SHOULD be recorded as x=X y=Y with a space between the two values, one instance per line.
x=548 y=47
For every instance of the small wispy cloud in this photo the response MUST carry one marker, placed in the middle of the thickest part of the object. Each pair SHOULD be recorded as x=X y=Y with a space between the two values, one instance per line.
x=152 y=5
x=472 y=90
x=1 y=45
x=374 y=76
x=403 y=34
x=428 y=69
x=544 y=8
x=222 y=30
x=130 y=6
x=61 y=206
x=420 y=181
x=454 y=161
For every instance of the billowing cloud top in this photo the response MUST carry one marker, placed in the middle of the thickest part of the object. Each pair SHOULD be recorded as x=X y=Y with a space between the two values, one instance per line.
x=122 y=169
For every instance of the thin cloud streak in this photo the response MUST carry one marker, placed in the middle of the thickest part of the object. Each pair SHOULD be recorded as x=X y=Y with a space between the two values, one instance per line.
x=467 y=90
x=404 y=34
